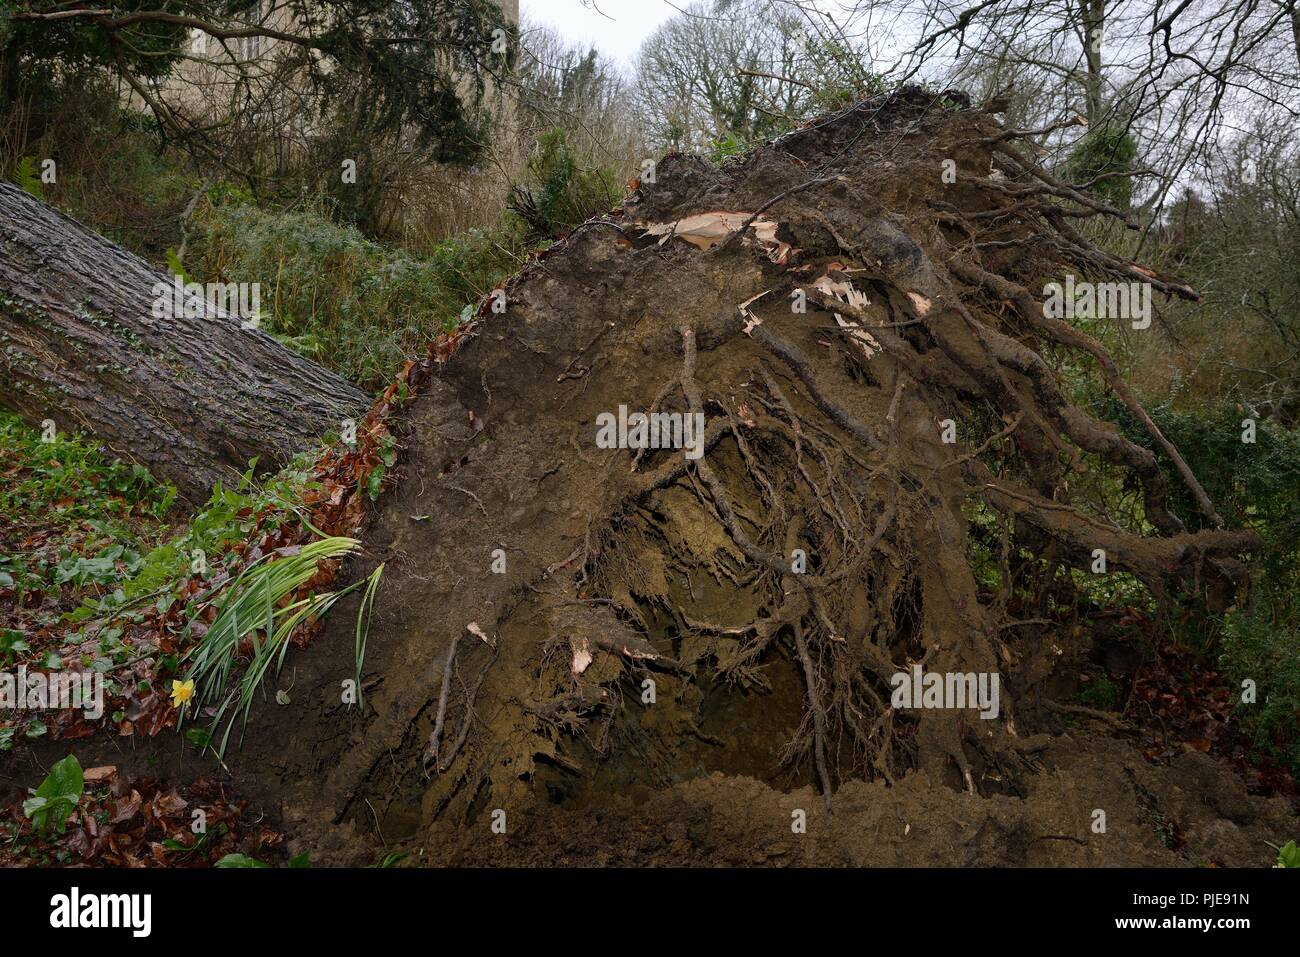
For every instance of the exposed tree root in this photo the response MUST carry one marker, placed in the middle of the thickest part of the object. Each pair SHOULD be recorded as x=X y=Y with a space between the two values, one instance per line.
x=898 y=477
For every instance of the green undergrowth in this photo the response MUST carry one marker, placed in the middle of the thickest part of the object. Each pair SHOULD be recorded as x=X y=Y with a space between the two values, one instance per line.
x=1253 y=485
x=204 y=545
x=72 y=517
x=356 y=306
x=1252 y=638
x=99 y=571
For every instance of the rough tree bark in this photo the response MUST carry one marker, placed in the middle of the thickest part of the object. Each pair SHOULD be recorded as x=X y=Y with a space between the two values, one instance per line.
x=190 y=398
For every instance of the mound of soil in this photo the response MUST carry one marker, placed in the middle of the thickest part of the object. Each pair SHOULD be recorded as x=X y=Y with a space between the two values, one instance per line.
x=664 y=655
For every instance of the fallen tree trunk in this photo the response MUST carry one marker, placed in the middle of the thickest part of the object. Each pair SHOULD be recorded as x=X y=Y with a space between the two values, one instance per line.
x=90 y=339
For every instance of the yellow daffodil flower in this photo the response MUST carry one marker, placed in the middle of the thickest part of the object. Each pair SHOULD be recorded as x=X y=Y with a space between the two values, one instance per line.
x=182 y=691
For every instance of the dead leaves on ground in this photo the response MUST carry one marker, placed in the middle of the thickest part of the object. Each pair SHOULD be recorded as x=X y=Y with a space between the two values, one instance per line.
x=120 y=823
x=1181 y=704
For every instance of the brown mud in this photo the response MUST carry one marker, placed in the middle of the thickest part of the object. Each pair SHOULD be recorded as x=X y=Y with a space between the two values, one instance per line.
x=527 y=692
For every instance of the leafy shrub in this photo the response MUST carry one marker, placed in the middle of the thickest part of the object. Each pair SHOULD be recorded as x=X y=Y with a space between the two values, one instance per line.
x=1101 y=152
x=329 y=293
x=559 y=193
x=842 y=78
x=1262 y=643
x=1253 y=485
x=1101 y=693
x=727 y=146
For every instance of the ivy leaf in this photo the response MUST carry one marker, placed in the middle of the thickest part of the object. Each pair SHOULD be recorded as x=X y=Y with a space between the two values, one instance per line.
x=239 y=860
x=1288 y=855
x=57 y=796
x=376 y=482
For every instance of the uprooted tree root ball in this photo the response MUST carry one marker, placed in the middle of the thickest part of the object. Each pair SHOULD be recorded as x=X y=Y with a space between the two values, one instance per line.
x=891 y=477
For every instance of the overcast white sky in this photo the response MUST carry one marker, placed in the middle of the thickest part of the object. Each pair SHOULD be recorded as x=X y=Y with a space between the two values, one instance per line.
x=617 y=30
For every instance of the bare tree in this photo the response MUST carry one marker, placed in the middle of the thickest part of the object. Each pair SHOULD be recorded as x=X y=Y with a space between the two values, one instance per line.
x=1177 y=74
x=742 y=68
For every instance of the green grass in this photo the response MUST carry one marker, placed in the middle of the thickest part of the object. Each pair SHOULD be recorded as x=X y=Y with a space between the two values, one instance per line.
x=356 y=306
